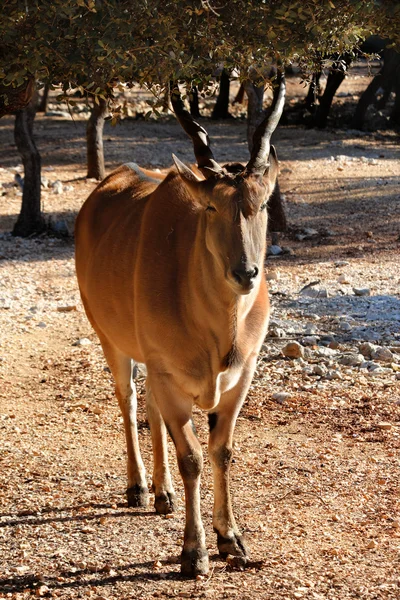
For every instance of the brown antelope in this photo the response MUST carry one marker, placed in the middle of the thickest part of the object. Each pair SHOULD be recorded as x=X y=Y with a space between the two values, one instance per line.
x=170 y=270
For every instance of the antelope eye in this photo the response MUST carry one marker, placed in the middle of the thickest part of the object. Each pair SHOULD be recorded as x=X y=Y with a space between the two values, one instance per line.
x=211 y=208
x=263 y=206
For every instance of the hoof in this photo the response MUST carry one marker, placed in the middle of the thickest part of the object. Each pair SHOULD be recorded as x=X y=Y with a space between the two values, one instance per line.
x=164 y=503
x=234 y=546
x=194 y=562
x=137 y=496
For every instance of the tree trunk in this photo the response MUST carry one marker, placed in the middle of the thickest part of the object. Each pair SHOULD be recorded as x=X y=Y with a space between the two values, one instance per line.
x=366 y=98
x=42 y=104
x=94 y=140
x=194 y=103
x=239 y=98
x=276 y=213
x=335 y=78
x=255 y=95
x=30 y=219
x=395 y=116
x=221 y=107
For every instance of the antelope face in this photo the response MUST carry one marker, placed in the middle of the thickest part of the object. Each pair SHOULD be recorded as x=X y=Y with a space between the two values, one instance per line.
x=236 y=229
x=234 y=204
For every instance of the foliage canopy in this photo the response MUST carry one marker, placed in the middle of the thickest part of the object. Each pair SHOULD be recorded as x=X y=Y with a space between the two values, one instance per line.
x=92 y=44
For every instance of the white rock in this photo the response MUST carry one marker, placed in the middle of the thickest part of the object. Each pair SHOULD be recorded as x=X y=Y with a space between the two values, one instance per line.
x=341 y=263
x=320 y=370
x=344 y=279
x=82 y=342
x=361 y=291
x=57 y=187
x=281 y=396
x=345 y=326
x=325 y=352
x=333 y=374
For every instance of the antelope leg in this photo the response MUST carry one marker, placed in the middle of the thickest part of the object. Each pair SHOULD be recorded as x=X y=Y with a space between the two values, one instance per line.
x=121 y=367
x=222 y=423
x=176 y=410
x=162 y=484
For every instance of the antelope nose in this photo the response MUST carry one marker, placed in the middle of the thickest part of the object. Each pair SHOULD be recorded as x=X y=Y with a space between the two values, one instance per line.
x=245 y=276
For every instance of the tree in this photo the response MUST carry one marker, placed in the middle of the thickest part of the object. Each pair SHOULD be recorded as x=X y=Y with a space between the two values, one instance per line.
x=30 y=219
x=94 y=139
x=91 y=45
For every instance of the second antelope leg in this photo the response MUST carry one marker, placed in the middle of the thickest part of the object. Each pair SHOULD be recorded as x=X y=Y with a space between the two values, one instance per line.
x=121 y=367
x=222 y=424
x=162 y=484
x=176 y=409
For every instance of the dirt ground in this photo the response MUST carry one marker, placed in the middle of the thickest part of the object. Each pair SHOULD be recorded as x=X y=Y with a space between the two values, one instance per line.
x=316 y=476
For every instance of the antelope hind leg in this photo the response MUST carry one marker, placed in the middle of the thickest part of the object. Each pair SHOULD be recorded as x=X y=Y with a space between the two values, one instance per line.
x=121 y=367
x=164 y=501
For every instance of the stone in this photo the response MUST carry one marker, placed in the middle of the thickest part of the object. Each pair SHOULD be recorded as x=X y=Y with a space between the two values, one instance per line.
x=382 y=354
x=351 y=359
x=384 y=425
x=325 y=352
x=344 y=279
x=276 y=332
x=341 y=263
x=380 y=371
x=288 y=250
x=67 y=308
x=273 y=275
x=60 y=229
x=82 y=342
x=361 y=291
x=281 y=397
x=366 y=349
x=314 y=292
x=58 y=113
x=57 y=187
x=309 y=340
x=320 y=370
x=293 y=350
x=311 y=329
x=325 y=340
x=345 y=326
x=274 y=250
x=333 y=374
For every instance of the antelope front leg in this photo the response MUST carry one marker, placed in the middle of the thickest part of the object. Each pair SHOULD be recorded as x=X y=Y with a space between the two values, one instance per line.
x=222 y=423
x=176 y=411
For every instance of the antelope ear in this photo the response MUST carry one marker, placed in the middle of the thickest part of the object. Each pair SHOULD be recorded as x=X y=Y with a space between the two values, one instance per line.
x=191 y=181
x=187 y=174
